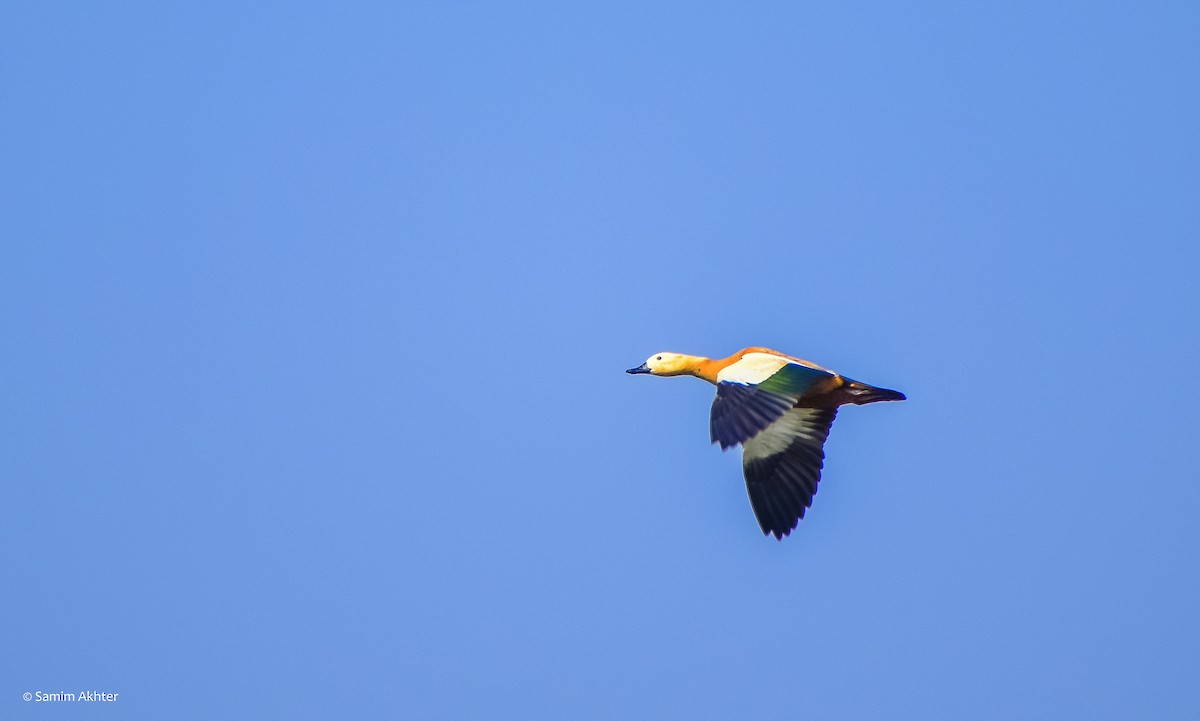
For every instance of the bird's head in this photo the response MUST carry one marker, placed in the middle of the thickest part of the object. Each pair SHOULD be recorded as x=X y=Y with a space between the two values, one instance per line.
x=667 y=364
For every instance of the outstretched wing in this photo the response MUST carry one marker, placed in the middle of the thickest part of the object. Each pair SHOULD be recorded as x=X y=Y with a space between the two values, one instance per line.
x=755 y=392
x=782 y=465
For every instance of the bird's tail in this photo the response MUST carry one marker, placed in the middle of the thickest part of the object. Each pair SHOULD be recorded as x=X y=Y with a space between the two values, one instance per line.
x=861 y=393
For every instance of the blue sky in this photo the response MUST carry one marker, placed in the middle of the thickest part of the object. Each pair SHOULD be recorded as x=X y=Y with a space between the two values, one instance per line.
x=316 y=317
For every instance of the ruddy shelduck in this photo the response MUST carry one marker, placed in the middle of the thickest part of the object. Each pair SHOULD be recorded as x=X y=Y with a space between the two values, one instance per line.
x=779 y=409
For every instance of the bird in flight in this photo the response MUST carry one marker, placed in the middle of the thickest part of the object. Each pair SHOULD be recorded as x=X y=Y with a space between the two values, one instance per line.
x=779 y=409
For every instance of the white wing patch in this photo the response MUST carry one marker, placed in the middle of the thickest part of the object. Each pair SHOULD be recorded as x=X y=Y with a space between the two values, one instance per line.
x=775 y=438
x=752 y=369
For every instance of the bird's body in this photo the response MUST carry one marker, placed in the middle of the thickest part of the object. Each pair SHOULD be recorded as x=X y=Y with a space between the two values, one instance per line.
x=779 y=409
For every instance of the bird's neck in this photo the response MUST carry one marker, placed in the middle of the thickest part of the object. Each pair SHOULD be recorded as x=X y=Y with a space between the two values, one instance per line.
x=706 y=368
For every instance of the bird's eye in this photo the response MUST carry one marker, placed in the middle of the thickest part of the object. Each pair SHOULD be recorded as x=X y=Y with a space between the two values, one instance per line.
x=658 y=358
